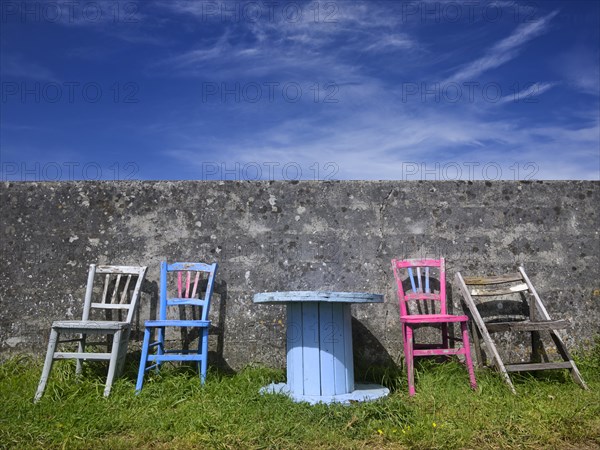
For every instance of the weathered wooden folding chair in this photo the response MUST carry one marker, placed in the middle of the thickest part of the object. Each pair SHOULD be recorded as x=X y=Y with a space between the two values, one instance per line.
x=117 y=294
x=417 y=281
x=188 y=293
x=510 y=303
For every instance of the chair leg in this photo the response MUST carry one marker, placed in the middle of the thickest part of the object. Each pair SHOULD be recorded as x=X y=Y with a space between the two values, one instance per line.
x=112 y=365
x=47 y=365
x=494 y=356
x=576 y=375
x=467 y=348
x=81 y=349
x=160 y=348
x=122 y=355
x=536 y=347
x=404 y=343
x=410 y=361
x=562 y=349
x=203 y=349
x=143 y=360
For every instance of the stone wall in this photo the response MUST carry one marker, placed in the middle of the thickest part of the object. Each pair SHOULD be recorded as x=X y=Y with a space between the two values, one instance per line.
x=307 y=235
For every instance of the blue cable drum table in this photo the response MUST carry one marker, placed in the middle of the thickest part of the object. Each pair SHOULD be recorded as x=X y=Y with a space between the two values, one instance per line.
x=320 y=364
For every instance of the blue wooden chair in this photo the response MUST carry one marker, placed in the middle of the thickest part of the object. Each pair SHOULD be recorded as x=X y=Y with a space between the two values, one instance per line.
x=188 y=293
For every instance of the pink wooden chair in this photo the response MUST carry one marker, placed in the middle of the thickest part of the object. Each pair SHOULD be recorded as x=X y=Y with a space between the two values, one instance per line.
x=417 y=281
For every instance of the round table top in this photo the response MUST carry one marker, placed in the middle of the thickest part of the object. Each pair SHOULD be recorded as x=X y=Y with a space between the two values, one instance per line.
x=317 y=296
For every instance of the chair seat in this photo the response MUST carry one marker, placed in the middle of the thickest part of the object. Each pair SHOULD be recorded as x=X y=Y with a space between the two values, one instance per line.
x=90 y=325
x=432 y=318
x=177 y=323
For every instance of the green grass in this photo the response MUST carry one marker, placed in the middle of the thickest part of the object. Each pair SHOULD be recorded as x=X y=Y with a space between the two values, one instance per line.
x=174 y=411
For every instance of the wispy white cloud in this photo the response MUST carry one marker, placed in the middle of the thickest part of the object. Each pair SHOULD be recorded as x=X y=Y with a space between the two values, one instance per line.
x=367 y=49
x=208 y=52
x=381 y=143
x=370 y=134
x=505 y=50
x=392 y=41
x=319 y=42
x=530 y=93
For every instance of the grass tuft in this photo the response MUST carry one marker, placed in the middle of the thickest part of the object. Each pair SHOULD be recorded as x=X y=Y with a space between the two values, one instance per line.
x=175 y=411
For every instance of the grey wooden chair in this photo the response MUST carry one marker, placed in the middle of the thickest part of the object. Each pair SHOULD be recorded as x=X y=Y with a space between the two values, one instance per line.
x=510 y=303
x=117 y=294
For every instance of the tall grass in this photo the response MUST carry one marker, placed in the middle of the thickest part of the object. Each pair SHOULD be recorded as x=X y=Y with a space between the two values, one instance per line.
x=175 y=411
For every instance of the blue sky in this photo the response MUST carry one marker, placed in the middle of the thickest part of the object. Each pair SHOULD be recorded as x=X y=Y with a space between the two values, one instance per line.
x=184 y=89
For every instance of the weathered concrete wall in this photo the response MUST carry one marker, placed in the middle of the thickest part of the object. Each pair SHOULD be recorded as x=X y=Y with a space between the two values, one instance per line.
x=292 y=236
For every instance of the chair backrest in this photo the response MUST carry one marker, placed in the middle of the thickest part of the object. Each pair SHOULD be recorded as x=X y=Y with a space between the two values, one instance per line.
x=505 y=297
x=191 y=280
x=116 y=292
x=423 y=282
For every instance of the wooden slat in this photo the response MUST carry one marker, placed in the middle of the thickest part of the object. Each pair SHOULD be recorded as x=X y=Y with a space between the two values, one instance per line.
x=190 y=266
x=310 y=349
x=125 y=270
x=492 y=292
x=340 y=365
x=295 y=379
x=114 y=294
x=195 y=289
x=105 y=290
x=528 y=325
x=188 y=278
x=327 y=347
x=439 y=351
x=179 y=286
x=67 y=355
x=537 y=366
x=412 y=280
x=89 y=326
x=125 y=289
x=66 y=341
x=186 y=301
x=417 y=262
x=176 y=323
x=494 y=279
x=422 y=296
x=111 y=305
x=348 y=362
x=176 y=357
